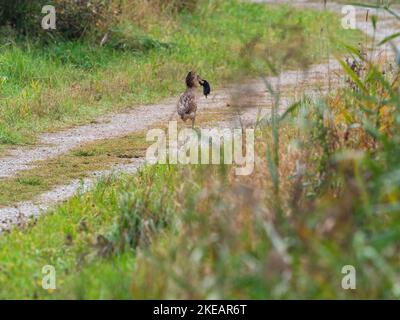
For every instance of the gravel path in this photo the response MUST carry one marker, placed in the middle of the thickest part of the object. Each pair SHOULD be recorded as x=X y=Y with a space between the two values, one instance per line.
x=291 y=84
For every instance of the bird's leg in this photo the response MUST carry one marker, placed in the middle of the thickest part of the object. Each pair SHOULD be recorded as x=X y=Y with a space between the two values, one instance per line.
x=193 y=120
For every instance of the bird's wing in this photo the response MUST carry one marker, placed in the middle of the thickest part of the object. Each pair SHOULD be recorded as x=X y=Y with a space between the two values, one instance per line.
x=187 y=104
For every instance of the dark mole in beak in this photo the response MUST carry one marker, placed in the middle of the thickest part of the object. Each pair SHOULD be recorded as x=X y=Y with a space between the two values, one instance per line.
x=206 y=87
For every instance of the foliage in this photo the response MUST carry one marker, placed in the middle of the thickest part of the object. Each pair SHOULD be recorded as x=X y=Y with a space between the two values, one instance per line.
x=76 y=19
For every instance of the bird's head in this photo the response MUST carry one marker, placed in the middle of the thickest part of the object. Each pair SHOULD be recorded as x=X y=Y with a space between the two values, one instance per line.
x=193 y=80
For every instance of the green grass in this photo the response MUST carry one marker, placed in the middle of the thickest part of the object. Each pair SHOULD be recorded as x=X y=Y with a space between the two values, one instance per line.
x=68 y=239
x=30 y=181
x=47 y=243
x=47 y=87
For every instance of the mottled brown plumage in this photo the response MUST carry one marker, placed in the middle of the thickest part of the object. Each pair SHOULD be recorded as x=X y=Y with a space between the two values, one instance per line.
x=187 y=104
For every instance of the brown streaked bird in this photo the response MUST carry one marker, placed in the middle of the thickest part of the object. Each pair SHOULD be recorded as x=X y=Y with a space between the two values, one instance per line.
x=187 y=104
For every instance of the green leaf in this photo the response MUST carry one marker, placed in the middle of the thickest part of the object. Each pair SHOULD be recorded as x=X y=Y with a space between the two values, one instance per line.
x=392 y=13
x=389 y=38
x=289 y=110
x=352 y=49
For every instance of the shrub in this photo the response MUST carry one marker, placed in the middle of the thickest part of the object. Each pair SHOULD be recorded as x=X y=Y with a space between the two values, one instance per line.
x=128 y=37
x=78 y=18
x=21 y=15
